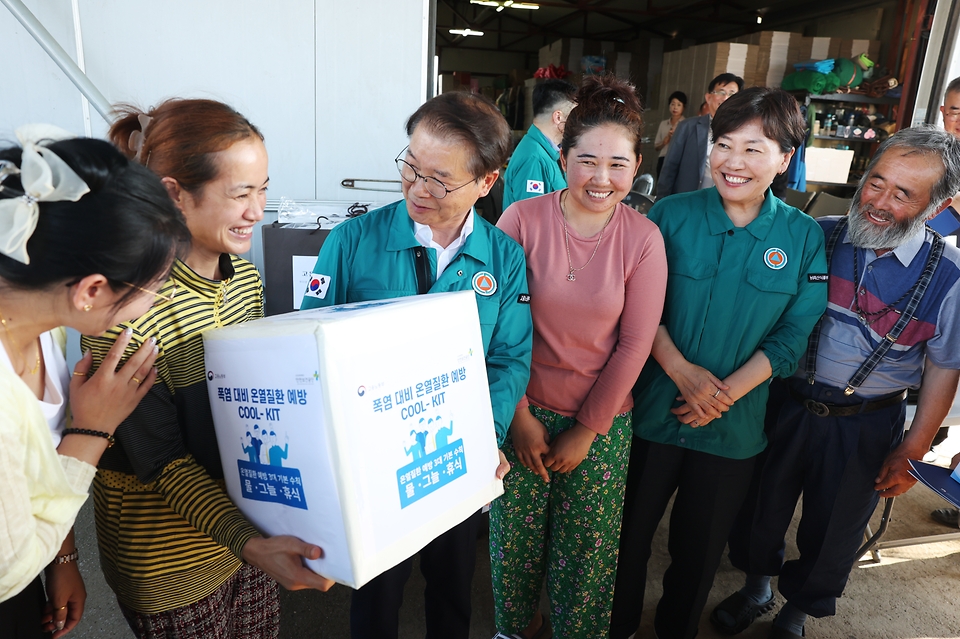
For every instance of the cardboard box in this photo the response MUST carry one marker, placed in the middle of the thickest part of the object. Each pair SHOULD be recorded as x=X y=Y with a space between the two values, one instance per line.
x=646 y=65
x=364 y=428
x=814 y=49
x=828 y=165
x=853 y=48
x=775 y=49
x=691 y=70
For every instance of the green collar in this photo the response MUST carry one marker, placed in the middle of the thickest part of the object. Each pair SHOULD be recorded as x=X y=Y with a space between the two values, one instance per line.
x=718 y=222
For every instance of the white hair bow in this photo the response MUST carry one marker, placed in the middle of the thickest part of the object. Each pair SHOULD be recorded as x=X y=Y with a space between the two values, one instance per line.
x=45 y=178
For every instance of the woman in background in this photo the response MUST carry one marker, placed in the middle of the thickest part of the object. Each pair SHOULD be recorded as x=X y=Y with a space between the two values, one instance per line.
x=676 y=104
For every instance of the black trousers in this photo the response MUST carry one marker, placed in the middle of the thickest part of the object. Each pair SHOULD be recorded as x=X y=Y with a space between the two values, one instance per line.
x=447 y=564
x=20 y=615
x=710 y=490
x=833 y=462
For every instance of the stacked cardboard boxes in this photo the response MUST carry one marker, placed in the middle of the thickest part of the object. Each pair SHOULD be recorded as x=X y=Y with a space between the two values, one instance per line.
x=690 y=70
x=776 y=48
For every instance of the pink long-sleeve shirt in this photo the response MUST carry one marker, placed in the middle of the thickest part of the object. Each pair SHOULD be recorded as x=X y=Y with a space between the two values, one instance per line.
x=591 y=336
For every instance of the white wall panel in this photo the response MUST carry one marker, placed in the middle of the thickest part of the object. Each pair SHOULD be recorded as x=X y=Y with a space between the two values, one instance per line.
x=329 y=83
x=34 y=88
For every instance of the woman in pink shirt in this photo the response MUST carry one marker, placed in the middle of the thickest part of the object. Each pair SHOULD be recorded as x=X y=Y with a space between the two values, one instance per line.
x=597 y=274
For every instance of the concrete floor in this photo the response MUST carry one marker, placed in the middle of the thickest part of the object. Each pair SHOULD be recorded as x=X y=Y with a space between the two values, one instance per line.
x=914 y=593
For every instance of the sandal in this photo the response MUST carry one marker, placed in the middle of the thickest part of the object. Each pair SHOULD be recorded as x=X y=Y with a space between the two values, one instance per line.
x=742 y=610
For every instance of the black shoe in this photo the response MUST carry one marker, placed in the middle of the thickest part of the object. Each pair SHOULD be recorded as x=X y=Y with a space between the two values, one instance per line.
x=947 y=517
x=742 y=610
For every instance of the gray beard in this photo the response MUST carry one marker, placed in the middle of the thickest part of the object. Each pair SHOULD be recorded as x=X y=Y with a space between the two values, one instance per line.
x=865 y=234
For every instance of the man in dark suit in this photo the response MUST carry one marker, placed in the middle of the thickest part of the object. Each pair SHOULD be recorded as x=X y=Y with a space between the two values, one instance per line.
x=683 y=169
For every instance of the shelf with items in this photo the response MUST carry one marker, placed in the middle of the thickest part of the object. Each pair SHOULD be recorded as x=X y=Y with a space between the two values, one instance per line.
x=846 y=128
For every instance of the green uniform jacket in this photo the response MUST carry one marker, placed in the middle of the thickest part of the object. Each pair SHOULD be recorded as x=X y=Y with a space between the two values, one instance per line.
x=370 y=258
x=731 y=291
x=534 y=169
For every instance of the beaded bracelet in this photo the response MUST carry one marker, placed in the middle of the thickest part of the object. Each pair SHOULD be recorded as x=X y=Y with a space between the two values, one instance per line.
x=65 y=559
x=93 y=433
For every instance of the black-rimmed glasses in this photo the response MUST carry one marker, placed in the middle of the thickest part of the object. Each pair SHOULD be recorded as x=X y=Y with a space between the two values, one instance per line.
x=434 y=187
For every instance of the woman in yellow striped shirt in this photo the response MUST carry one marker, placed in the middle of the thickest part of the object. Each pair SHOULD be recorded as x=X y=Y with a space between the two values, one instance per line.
x=182 y=560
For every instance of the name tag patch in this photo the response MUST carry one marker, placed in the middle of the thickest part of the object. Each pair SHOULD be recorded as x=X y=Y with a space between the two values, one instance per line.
x=535 y=186
x=818 y=277
x=523 y=298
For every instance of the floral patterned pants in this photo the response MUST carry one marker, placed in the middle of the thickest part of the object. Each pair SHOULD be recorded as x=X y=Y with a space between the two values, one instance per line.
x=567 y=531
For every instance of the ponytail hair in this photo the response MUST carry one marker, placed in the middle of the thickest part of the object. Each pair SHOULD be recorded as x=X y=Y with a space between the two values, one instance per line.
x=604 y=100
x=179 y=137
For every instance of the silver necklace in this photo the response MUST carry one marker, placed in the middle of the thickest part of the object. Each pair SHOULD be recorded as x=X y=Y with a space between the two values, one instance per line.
x=571 y=277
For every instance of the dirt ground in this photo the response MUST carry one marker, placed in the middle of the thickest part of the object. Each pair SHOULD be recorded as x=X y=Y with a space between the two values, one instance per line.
x=913 y=593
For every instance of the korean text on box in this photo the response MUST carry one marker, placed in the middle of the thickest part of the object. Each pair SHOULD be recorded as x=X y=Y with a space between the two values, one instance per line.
x=364 y=428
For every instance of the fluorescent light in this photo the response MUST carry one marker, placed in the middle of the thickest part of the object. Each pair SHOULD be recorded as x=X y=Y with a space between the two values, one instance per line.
x=759 y=19
x=524 y=5
x=499 y=9
x=486 y=3
x=466 y=32
x=508 y=3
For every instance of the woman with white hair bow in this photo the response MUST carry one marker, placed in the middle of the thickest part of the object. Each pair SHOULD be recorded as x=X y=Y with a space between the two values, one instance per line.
x=85 y=235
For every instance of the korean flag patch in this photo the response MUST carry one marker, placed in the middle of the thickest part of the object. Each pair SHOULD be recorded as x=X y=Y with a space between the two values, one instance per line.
x=318 y=285
x=535 y=186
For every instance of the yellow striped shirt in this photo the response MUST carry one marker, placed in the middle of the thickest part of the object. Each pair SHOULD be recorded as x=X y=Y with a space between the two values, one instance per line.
x=168 y=533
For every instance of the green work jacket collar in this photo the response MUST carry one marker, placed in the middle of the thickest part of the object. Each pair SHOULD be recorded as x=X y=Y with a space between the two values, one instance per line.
x=545 y=142
x=401 y=238
x=718 y=222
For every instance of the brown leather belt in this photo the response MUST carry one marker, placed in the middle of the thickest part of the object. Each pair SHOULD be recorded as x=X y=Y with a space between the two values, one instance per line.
x=821 y=409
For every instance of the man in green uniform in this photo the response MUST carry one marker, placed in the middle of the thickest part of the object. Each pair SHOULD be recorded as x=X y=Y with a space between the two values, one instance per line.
x=534 y=168
x=432 y=241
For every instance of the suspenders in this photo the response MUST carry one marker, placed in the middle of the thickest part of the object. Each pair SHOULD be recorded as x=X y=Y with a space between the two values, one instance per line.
x=936 y=250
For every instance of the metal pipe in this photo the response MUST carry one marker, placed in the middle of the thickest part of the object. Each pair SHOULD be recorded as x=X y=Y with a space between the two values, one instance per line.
x=55 y=51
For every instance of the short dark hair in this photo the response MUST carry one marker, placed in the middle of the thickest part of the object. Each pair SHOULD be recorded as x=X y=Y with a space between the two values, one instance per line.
x=725 y=78
x=926 y=139
x=125 y=228
x=678 y=95
x=777 y=111
x=952 y=87
x=471 y=119
x=604 y=100
x=550 y=94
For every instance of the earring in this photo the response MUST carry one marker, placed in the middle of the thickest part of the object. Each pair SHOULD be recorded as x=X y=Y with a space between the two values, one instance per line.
x=88 y=307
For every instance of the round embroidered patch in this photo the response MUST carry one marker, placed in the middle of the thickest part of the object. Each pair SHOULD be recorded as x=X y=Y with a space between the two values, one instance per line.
x=775 y=258
x=484 y=284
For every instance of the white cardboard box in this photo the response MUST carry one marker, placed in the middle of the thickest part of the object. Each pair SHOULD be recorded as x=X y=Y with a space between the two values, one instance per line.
x=828 y=165
x=373 y=427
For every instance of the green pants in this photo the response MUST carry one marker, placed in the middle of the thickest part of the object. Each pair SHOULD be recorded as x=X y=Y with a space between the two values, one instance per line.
x=567 y=531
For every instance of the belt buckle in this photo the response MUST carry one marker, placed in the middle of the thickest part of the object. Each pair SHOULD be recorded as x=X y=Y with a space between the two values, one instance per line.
x=817 y=408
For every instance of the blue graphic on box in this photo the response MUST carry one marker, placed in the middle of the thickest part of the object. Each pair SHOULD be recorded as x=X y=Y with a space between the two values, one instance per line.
x=271 y=483
x=260 y=440
x=431 y=471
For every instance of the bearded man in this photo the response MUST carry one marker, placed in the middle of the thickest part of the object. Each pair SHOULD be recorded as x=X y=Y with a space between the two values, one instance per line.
x=835 y=428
